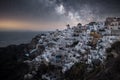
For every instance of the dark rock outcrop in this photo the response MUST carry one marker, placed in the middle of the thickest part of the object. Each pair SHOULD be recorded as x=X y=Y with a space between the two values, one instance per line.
x=77 y=72
x=112 y=66
x=12 y=57
x=11 y=62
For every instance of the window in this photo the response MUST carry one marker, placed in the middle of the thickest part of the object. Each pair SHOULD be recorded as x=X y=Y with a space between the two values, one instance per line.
x=119 y=27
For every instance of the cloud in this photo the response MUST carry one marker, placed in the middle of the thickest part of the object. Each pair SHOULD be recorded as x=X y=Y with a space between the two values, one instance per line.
x=60 y=9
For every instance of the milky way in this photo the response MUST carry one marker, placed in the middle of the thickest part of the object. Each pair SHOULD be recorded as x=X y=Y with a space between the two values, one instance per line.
x=62 y=11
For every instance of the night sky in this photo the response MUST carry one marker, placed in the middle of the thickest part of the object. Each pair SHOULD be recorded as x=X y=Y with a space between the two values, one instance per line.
x=54 y=14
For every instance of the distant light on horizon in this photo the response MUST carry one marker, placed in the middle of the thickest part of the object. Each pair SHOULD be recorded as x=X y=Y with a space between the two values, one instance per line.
x=32 y=26
x=37 y=25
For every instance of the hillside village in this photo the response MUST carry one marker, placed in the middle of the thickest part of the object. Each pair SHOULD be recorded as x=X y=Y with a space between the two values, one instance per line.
x=79 y=44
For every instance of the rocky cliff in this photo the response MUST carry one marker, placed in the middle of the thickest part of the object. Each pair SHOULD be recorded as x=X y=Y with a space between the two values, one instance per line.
x=72 y=54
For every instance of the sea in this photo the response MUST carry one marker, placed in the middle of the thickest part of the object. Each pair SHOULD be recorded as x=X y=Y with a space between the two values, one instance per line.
x=17 y=37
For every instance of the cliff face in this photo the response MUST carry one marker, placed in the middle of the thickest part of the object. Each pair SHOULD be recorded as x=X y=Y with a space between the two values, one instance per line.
x=12 y=66
x=111 y=70
x=12 y=57
x=71 y=54
x=11 y=62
